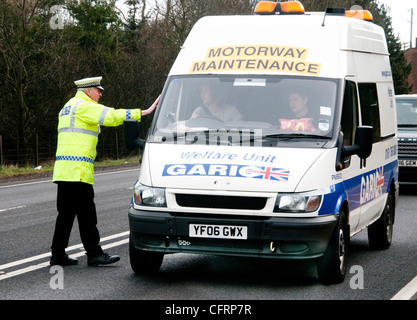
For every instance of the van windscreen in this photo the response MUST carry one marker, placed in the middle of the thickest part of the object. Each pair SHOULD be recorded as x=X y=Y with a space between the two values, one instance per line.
x=230 y=109
x=407 y=112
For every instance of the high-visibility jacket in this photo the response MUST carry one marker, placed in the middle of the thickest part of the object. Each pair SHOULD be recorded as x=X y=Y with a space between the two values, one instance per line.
x=78 y=129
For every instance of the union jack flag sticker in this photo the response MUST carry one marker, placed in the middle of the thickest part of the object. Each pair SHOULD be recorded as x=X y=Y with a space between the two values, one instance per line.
x=380 y=181
x=269 y=173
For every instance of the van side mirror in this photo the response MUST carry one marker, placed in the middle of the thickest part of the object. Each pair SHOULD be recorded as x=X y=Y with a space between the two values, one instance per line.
x=363 y=143
x=131 y=134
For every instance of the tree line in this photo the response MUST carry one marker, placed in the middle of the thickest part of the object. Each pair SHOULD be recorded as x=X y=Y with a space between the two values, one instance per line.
x=47 y=44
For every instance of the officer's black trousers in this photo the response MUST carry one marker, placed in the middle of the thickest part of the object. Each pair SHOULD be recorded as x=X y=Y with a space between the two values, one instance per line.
x=76 y=199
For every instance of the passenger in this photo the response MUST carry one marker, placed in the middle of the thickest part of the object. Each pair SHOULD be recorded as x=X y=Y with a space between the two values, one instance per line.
x=303 y=120
x=213 y=106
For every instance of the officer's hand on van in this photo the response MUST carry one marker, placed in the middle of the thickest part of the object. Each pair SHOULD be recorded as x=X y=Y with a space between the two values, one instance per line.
x=152 y=107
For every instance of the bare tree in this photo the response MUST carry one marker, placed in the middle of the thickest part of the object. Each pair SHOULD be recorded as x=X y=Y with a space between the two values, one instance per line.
x=16 y=47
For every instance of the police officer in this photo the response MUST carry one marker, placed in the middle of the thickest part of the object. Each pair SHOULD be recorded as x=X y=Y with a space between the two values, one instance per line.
x=78 y=129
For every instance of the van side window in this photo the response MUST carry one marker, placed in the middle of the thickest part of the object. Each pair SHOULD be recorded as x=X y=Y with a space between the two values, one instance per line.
x=349 y=120
x=368 y=97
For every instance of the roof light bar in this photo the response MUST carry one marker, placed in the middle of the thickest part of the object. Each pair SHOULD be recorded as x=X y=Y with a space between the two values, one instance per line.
x=296 y=7
x=271 y=7
x=291 y=7
x=266 y=7
x=360 y=14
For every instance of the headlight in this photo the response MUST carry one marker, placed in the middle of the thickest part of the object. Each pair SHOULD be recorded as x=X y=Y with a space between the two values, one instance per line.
x=298 y=202
x=148 y=196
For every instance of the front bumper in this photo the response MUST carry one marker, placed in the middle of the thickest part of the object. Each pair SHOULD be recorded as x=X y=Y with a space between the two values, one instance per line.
x=274 y=237
x=407 y=174
x=407 y=168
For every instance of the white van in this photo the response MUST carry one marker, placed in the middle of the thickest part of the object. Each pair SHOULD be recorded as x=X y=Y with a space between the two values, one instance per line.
x=233 y=164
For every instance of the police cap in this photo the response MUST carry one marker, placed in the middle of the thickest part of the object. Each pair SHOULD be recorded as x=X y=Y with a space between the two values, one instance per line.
x=93 y=82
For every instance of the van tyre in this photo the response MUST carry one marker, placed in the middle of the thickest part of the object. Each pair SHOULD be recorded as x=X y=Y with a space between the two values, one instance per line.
x=380 y=232
x=144 y=262
x=331 y=267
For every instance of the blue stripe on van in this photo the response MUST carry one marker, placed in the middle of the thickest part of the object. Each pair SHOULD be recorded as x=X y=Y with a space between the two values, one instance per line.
x=359 y=190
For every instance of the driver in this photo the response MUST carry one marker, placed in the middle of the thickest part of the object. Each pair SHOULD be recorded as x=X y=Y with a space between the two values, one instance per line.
x=214 y=107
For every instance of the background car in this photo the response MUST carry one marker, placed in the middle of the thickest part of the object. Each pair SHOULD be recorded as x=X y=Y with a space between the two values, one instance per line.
x=407 y=137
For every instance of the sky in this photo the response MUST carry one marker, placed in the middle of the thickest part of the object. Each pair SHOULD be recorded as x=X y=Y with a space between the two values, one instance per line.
x=400 y=12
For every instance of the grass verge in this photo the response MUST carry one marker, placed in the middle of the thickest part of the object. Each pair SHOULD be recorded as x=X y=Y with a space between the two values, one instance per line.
x=13 y=171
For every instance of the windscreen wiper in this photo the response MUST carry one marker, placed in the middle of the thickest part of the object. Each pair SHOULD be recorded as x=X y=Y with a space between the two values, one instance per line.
x=295 y=136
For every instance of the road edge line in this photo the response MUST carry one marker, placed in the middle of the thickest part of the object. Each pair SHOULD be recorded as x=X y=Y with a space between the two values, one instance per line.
x=409 y=292
x=46 y=264
x=48 y=254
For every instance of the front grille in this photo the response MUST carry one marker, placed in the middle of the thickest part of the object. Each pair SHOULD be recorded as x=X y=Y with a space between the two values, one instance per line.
x=220 y=202
x=407 y=147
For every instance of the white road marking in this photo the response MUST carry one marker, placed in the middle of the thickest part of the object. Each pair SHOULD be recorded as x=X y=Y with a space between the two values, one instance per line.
x=409 y=292
x=50 y=180
x=46 y=264
x=24 y=184
x=5 y=275
x=12 y=208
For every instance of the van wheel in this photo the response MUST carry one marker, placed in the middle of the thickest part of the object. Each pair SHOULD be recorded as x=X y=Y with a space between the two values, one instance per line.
x=380 y=232
x=144 y=262
x=331 y=267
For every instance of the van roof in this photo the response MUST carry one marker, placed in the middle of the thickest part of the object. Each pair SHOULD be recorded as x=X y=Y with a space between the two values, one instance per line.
x=323 y=37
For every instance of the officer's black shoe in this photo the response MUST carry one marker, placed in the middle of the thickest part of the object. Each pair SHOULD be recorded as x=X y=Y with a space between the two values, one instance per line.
x=64 y=260
x=103 y=259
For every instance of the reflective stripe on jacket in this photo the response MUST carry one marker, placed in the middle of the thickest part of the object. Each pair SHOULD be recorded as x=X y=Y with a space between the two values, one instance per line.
x=78 y=129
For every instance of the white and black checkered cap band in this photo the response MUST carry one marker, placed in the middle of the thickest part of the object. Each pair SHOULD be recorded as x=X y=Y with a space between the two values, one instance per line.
x=91 y=85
